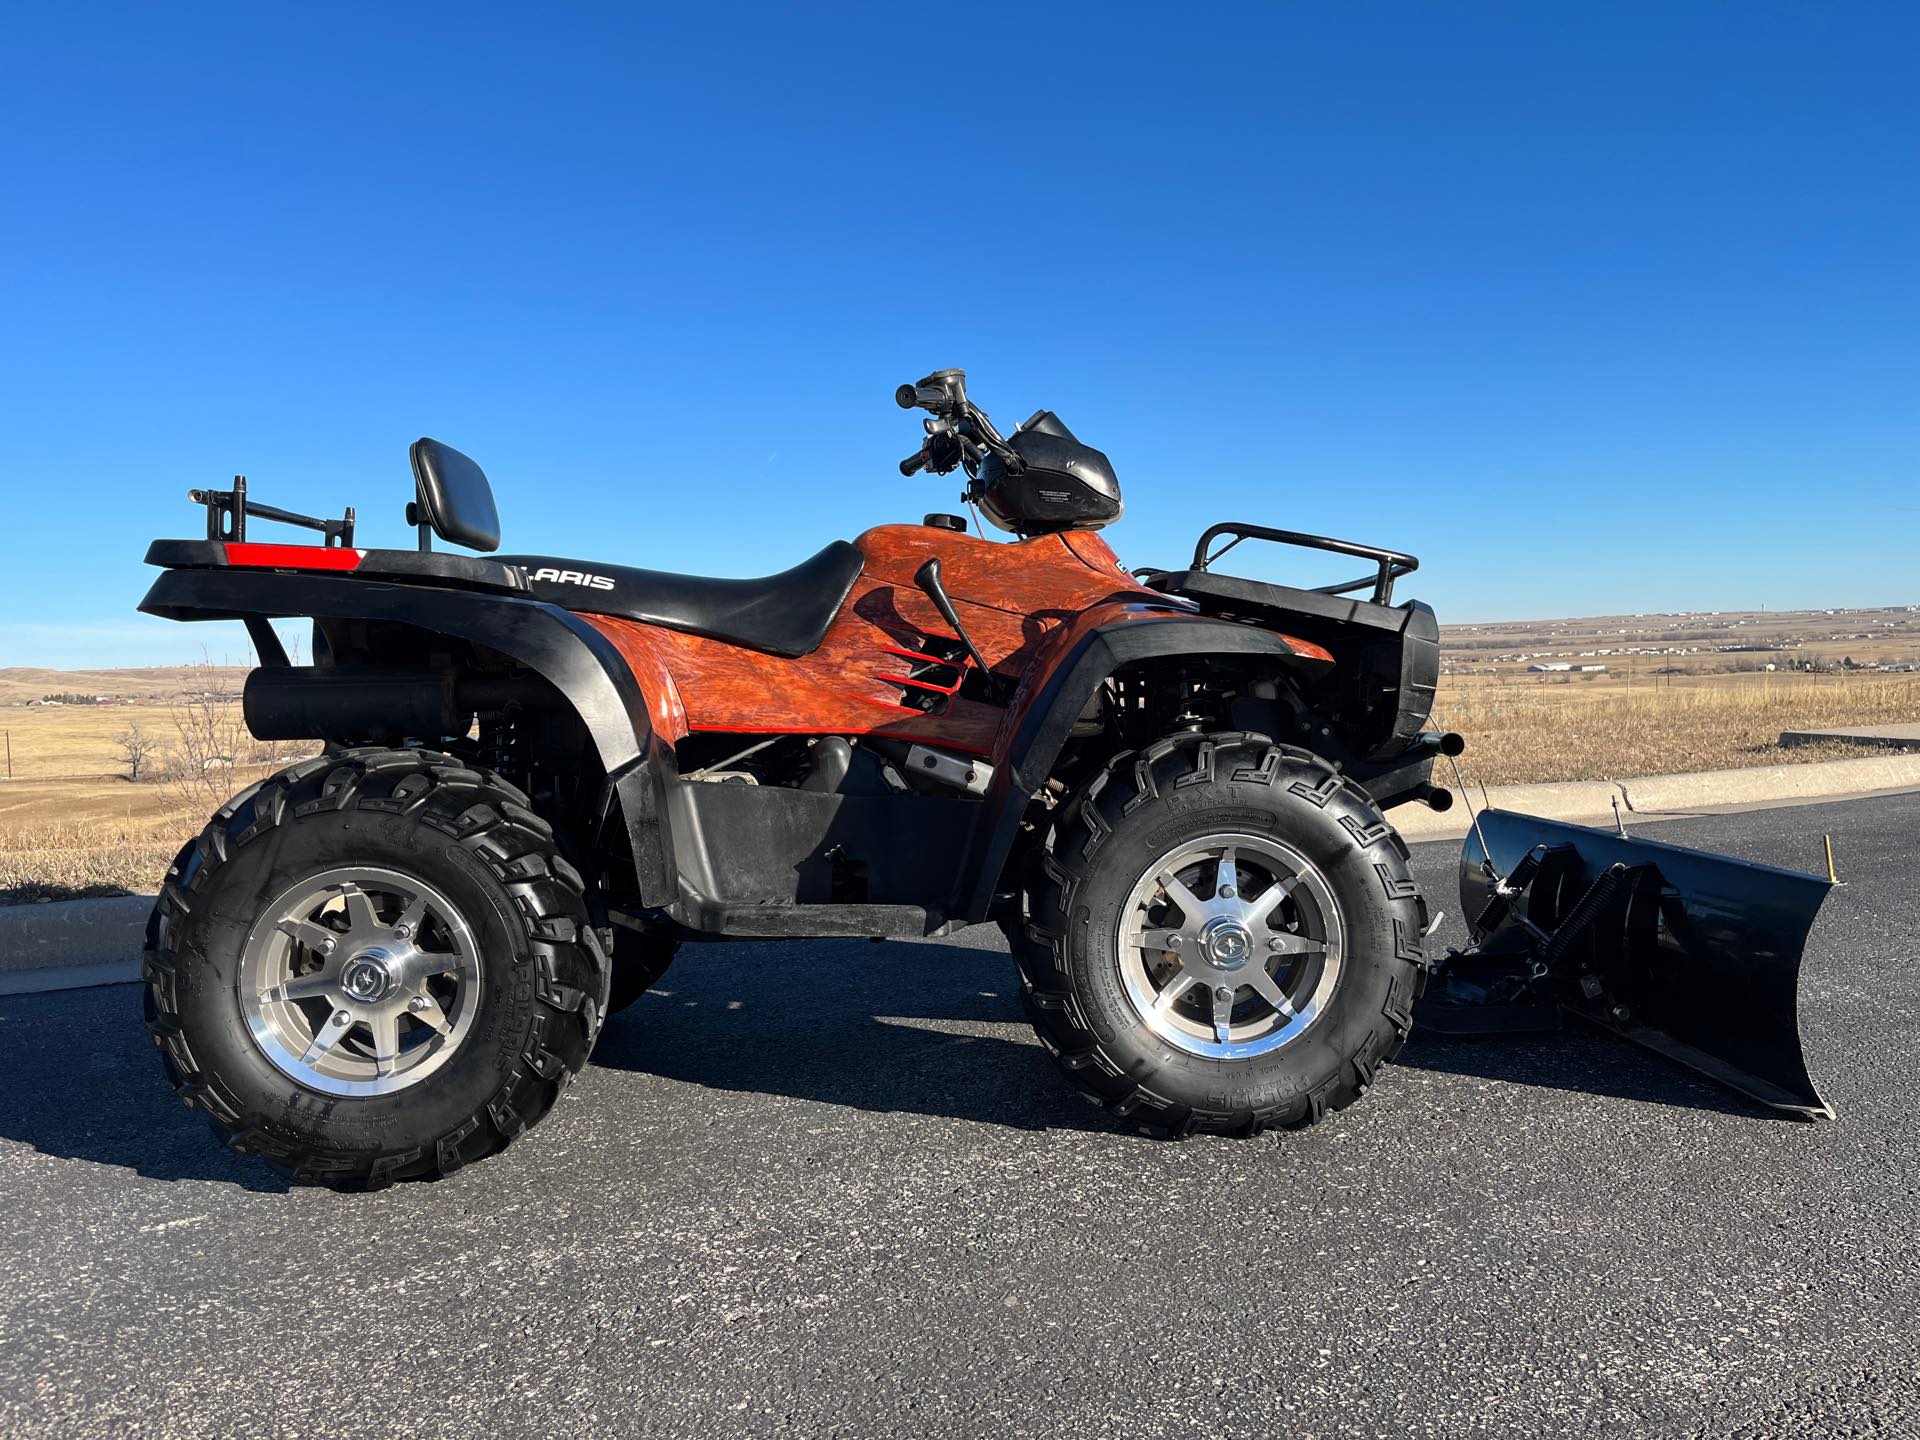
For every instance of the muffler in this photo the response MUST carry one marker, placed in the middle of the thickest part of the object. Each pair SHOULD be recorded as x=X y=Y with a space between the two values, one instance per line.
x=381 y=704
x=1691 y=954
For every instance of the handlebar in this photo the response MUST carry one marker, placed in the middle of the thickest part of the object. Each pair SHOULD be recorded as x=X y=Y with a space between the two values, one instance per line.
x=942 y=394
x=959 y=433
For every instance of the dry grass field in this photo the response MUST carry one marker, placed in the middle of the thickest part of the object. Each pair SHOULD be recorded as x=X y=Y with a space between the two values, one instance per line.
x=1675 y=693
x=1521 y=729
x=1680 y=693
x=72 y=821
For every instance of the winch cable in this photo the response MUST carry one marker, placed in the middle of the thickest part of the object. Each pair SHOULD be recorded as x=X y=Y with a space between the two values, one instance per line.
x=1473 y=815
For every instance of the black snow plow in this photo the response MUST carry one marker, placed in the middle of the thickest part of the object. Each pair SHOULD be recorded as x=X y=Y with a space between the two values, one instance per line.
x=1691 y=954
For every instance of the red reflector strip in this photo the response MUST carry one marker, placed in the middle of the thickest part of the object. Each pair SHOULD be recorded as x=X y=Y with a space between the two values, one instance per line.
x=293 y=557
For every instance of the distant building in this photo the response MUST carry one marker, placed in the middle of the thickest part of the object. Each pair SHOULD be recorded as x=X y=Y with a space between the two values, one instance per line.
x=1564 y=666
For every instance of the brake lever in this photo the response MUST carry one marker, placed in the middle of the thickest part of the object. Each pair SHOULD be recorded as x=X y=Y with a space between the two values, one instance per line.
x=941 y=454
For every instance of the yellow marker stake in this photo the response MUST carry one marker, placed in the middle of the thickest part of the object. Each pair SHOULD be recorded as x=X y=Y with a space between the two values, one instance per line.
x=1832 y=877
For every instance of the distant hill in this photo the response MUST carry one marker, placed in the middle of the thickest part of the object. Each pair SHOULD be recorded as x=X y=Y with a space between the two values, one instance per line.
x=1703 y=641
x=154 y=684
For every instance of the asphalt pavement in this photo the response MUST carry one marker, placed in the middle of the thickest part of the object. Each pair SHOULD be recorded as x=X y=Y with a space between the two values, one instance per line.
x=836 y=1189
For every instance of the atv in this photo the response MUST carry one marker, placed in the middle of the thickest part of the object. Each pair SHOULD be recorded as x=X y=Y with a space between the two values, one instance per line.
x=541 y=776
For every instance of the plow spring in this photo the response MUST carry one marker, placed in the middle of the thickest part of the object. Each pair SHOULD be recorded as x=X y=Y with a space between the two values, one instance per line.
x=1693 y=955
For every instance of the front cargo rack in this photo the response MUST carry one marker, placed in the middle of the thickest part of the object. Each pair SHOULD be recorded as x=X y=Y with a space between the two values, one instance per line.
x=1392 y=563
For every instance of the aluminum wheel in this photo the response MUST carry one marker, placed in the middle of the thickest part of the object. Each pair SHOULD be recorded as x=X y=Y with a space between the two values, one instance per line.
x=359 y=981
x=1230 y=946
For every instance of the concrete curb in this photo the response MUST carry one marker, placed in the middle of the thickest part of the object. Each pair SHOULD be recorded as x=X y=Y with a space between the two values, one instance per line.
x=68 y=944
x=1657 y=797
x=69 y=977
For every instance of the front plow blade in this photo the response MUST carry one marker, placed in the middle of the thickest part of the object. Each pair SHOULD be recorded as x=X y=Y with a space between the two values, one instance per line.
x=1688 y=953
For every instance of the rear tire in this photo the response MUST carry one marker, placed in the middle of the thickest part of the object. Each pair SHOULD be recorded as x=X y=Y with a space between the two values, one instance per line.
x=1221 y=935
x=373 y=966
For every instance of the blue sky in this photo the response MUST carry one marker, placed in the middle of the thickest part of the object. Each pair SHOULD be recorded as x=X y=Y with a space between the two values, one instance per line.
x=1596 y=308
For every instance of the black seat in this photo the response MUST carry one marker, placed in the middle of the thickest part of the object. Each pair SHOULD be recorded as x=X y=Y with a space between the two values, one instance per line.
x=785 y=614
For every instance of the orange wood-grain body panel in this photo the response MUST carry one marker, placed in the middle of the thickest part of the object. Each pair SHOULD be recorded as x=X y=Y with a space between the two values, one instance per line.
x=1011 y=597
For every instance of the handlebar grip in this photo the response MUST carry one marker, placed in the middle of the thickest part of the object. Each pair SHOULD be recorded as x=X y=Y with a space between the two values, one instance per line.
x=914 y=463
x=935 y=399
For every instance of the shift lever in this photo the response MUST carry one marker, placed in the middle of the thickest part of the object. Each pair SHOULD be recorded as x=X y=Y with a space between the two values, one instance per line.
x=927 y=577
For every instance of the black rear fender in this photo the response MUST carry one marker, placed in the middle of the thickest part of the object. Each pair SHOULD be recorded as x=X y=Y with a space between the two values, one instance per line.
x=575 y=659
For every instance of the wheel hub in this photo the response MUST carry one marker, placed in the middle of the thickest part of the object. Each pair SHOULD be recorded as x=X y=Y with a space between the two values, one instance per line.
x=359 y=981
x=1226 y=942
x=1230 y=947
x=367 y=977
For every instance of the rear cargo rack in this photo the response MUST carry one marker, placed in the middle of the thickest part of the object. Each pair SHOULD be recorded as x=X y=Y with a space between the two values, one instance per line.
x=1392 y=564
x=227 y=512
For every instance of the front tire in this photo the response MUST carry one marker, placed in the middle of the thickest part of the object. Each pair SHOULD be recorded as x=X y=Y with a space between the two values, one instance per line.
x=1222 y=935
x=373 y=966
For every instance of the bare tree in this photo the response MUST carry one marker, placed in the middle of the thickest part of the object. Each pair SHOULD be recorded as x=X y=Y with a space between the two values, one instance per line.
x=214 y=754
x=136 y=747
x=213 y=740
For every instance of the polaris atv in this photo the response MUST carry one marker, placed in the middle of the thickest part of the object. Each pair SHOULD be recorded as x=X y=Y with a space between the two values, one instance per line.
x=542 y=775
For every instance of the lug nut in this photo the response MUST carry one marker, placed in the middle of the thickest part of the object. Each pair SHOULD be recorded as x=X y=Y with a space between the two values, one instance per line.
x=417 y=1004
x=1174 y=942
x=401 y=932
x=326 y=947
x=341 y=1017
x=1225 y=992
x=1226 y=892
x=1277 y=943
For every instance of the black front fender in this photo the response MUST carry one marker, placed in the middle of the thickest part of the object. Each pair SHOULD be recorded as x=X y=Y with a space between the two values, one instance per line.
x=1045 y=724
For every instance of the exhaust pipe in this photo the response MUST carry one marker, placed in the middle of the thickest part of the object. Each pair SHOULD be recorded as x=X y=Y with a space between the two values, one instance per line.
x=1412 y=775
x=1691 y=954
x=1444 y=741
x=381 y=704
